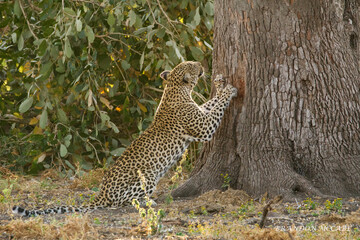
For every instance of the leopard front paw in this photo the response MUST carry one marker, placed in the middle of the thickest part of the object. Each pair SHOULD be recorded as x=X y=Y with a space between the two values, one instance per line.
x=231 y=90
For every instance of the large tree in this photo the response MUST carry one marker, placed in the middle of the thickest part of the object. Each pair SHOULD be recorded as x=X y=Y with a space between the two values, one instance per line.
x=295 y=126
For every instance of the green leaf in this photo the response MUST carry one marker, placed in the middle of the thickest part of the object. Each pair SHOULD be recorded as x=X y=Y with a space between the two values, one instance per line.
x=197 y=53
x=49 y=105
x=17 y=9
x=132 y=17
x=69 y=12
x=21 y=42
x=117 y=152
x=177 y=51
x=197 y=17
x=43 y=119
x=26 y=104
x=209 y=8
x=63 y=150
x=184 y=4
x=14 y=37
x=140 y=31
x=208 y=23
x=104 y=117
x=67 y=140
x=42 y=48
x=60 y=67
x=60 y=79
x=142 y=60
x=68 y=50
x=125 y=65
x=69 y=165
x=62 y=116
x=114 y=127
x=78 y=25
x=111 y=19
x=161 y=33
x=89 y=34
x=45 y=68
x=159 y=64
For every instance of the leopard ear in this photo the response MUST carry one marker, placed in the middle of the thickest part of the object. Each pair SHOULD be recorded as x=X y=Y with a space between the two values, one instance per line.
x=164 y=75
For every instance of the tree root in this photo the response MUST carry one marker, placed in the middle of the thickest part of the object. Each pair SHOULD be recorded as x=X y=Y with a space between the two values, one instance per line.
x=305 y=186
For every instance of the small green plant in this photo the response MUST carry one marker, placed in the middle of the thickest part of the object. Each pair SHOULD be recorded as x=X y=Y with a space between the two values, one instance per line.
x=335 y=205
x=192 y=214
x=92 y=197
x=227 y=179
x=169 y=199
x=291 y=210
x=5 y=196
x=97 y=221
x=175 y=179
x=7 y=186
x=150 y=216
x=246 y=208
x=204 y=211
x=315 y=214
x=310 y=224
x=309 y=204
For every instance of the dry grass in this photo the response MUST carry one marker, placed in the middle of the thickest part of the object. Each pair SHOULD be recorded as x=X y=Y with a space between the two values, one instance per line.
x=89 y=180
x=73 y=227
x=214 y=215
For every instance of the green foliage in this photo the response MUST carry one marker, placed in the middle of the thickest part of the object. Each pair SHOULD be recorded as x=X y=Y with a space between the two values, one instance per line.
x=335 y=205
x=309 y=204
x=79 y=79
x=246 y=208
x=292 y=210
x=227 y=179
x=151 y=218
x=176 y=177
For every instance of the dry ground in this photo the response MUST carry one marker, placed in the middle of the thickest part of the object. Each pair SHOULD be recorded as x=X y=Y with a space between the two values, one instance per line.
x=215 y=215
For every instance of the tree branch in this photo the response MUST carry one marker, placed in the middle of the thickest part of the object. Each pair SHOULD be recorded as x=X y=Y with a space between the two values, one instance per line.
x=166 y=16
x=268 y=208
x=27 y=21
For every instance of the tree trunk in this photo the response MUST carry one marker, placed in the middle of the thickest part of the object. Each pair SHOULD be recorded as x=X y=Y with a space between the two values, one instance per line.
x=294 y=127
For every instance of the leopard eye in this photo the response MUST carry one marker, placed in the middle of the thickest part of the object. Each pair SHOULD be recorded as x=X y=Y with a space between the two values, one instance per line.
x=201 y=72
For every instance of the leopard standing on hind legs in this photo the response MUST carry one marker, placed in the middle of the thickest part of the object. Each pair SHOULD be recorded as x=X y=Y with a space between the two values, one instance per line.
x=178 y=121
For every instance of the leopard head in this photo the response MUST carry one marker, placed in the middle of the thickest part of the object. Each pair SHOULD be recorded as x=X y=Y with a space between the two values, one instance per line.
x=184 y=74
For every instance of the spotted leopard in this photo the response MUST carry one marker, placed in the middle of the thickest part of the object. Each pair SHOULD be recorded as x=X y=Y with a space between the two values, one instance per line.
x=178 y=122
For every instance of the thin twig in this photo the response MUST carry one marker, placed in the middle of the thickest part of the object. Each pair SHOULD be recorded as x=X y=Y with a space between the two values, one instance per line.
x=166 y=16
x=117 y=40
x=33 y=6
x=154 y=89
x=201 y=97
x=122 y=34
x=153 y=15
x=91 y=2
x=27 y=21
x=268 y=208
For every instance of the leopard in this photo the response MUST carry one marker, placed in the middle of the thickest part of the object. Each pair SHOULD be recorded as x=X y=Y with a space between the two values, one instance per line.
x=178 y=121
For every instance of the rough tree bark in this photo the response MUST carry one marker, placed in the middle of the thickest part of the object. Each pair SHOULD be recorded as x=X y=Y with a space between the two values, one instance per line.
x=295 y=126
